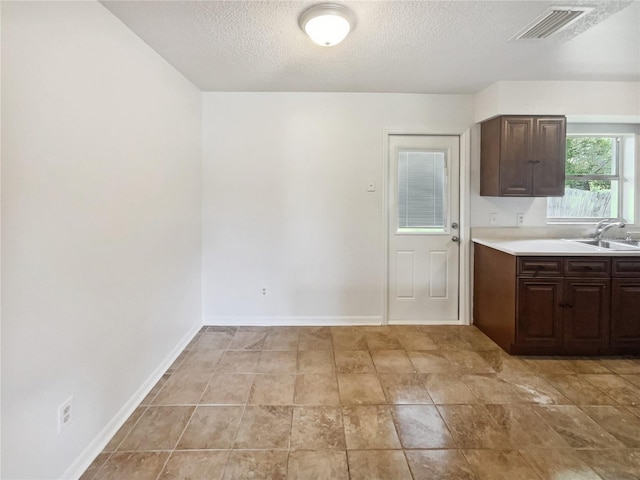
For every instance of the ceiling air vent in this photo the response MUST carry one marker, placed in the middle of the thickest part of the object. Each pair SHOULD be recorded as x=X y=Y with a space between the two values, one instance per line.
x=551 y=21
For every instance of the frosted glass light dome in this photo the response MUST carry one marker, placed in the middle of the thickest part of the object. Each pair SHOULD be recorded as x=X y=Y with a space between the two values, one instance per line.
x=327 y=24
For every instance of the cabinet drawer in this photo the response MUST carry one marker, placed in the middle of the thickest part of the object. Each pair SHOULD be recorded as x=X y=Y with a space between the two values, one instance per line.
x=626 y=267
x=540 y=266
x=587 y=267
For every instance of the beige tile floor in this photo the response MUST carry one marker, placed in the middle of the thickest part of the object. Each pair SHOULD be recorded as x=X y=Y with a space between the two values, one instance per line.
x=437 y=402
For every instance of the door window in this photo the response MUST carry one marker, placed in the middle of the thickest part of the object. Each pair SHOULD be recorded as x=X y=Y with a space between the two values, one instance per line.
x=421 y=191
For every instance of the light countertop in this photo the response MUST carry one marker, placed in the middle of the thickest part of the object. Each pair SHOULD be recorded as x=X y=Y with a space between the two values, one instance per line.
x=550 y=247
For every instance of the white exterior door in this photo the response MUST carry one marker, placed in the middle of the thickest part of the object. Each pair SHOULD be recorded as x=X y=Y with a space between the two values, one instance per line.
x=423 y=197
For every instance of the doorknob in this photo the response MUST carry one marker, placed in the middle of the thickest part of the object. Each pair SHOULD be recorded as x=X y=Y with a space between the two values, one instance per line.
x=454 y=225
x=455 y=239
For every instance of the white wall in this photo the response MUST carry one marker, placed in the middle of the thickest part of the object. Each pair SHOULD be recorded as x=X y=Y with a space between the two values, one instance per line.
x=581 y=102
x=616 y=102
x=285 y=201
x=101 y=225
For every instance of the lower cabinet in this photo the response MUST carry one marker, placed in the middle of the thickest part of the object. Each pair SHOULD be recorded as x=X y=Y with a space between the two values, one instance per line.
x=586 y=314
x=625 y=315
x=558 y=305
x=539 y=316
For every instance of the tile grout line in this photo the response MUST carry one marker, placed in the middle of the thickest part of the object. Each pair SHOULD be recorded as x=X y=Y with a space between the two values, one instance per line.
x=342 y=416
x=340 y=406
x=215 y=369
x=205 y=390
x=295 y=385
x=404 y=450
x=244 y=409
x=532 y=466
x=397 y=430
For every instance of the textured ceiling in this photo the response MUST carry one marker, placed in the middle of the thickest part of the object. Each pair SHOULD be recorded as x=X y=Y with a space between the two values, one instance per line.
x=397 y=46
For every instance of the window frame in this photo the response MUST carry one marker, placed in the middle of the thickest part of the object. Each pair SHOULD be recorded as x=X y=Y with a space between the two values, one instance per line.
x=618 y=177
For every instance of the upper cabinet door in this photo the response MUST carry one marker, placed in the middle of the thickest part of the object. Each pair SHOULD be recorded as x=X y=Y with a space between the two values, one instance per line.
x=549 y=157
x=516 y=152
x=522 y=156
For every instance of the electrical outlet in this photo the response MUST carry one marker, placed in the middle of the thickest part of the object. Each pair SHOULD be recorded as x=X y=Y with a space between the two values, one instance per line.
x=264 y=290
x=65 y=414
x=493 y=218
x=519 y=219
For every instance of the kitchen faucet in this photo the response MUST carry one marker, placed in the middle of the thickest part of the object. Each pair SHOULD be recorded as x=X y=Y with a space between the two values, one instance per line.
x=604 y=225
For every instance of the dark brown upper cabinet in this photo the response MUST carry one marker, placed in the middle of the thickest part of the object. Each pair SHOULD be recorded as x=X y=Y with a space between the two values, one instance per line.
x=523 y=156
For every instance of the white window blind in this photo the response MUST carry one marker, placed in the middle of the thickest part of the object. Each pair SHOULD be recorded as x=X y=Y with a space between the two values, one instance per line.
x=421 y=188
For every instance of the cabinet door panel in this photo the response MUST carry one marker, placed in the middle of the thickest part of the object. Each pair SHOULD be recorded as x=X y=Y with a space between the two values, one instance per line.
x=549 y=153
x=625 y=313
x=539 y=313
x=586 y=313
x=516 y=151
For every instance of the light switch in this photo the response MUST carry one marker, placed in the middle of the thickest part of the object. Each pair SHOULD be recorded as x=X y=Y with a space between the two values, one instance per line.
x=371 y=187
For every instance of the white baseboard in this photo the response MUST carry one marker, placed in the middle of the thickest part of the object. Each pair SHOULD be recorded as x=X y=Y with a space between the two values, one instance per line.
x=300 y=321
x=90 y=453
x=426 y=322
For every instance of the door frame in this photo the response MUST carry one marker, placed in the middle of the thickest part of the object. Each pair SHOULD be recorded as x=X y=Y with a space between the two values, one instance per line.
x=464 y=191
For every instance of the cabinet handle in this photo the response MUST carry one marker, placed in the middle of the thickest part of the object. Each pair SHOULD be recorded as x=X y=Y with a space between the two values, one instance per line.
x=535 y=162
x=565 y=305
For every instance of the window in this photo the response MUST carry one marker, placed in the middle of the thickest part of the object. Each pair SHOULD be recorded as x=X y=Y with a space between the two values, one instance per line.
x=601 y=174
x=593 y=183
x=421 y=190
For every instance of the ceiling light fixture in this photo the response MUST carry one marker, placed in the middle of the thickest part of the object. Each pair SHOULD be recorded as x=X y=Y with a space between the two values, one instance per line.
x=327 y=24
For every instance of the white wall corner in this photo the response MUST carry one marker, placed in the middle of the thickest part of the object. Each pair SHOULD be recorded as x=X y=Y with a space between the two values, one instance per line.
x=487 y=102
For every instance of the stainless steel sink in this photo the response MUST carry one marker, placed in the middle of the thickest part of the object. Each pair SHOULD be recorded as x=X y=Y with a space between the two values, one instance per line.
x=629 y=245
x=633 y=243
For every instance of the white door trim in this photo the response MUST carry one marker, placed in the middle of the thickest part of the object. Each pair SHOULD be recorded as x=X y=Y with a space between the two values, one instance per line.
x=466 y=278
x=464 y=300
